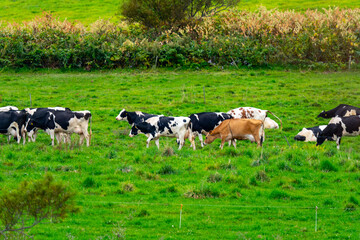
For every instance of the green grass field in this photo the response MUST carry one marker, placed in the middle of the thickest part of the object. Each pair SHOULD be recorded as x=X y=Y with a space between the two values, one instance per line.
x=128 y=190
x=90 y=11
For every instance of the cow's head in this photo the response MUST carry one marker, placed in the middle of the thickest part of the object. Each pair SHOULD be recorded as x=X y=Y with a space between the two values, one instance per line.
x=305 y=135
x=323 y=114
x=122 y=115
x=43 y=122
x=320 y=140
x=210 y=138
x=134 y=131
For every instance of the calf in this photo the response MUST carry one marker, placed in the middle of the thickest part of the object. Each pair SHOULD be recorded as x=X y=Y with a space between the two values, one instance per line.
x=156 y=127
x=339 y=127
x=202 y=123
x=240 y=129
x=343 y=110
x=12 y=123
x=309 y=134
x=254 y=113
x=56 y=121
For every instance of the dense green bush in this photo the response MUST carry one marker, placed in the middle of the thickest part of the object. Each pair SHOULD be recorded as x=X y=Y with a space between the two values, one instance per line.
x=329 y=39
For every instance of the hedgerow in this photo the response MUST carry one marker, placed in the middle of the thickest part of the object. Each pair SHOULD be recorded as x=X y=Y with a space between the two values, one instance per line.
x=312 y=39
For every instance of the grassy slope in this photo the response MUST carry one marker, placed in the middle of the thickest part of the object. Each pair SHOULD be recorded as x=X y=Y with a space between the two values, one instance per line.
x=90 y=11
x=248 y=204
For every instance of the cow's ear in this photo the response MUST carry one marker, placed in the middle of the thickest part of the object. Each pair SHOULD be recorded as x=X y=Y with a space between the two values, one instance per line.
x=210 y=132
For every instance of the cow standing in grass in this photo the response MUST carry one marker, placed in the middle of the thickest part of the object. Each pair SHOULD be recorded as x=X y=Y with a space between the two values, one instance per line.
x=339 y=127
x=12 y=123
x=240 y=129
x=57 y=121
x=156 y=127
x=202 y=123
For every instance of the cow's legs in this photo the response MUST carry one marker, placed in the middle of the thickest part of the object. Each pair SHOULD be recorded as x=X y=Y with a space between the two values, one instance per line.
x=223 y=140
x=52 y=136
x=182 y=141
x=148 y=141
x=338 y=142
x=233 y=142
x=192 y=140
x=82 y=137
x=157 y=143
x=201 y=140
x=58 y=137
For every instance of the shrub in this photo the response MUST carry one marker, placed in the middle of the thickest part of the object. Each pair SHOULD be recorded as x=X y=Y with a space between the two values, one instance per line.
x=311 y=39
x=32 y=202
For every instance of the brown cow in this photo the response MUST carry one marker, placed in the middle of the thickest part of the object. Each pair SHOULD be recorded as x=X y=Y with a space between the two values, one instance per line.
x=240 y=129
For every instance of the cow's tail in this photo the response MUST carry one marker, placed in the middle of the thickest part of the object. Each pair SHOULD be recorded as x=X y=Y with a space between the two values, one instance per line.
x=277 y=118
x=90 y=131
x=262 y=133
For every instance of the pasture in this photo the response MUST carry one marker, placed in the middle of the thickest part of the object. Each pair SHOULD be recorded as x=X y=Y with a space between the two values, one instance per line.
x=127 y=190
x=88 y=12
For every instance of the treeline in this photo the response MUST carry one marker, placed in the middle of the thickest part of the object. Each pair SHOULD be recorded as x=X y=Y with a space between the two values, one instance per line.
x=312 y=39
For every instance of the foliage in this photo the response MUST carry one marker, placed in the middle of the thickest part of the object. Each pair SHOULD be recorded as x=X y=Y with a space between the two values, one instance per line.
x=90 y=11
x=313 y=39
x=25 y=207
x=171 y=13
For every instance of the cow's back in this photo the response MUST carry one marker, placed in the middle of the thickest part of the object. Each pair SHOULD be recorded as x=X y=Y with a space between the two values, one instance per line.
x=248 y=113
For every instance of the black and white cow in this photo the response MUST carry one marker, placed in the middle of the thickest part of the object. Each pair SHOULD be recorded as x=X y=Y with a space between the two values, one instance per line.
x=343 y=110
x=160 y=126
x=309 y=134
x=12 y=123
x=339 y=127
x=134 y=117
x=55 y=121
x=202 y=123
x=8 y=108
x=31 y=111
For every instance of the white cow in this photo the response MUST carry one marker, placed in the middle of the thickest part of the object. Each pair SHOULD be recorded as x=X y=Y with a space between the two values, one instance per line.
x=255 y=113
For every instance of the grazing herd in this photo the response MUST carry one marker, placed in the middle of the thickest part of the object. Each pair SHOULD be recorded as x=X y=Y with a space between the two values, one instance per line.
x=226 y=126
x=244 y=123
x=58 y=122
x=345 y=121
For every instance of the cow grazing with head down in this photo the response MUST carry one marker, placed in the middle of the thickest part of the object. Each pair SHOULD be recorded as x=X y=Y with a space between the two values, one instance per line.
x=12 y=123
x=202 y=123
x=309 y=134
x=57 y=121
x=240 y=129
x=339 y=127
x=343 y=110
x=156 y=127
x=255 y=113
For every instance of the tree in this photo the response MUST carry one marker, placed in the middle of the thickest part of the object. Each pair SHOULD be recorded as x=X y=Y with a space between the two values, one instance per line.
x=25 y=207
x=171 y=13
